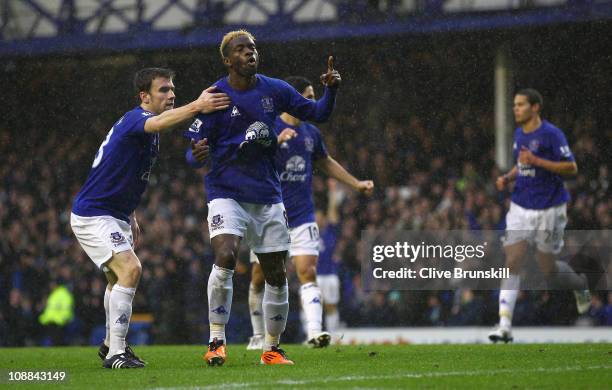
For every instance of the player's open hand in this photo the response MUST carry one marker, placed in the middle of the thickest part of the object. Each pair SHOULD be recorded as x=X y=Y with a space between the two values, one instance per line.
x=200 y=150
x=286 y=135
x=210 y=101
x=526 y=157
x=332 y=78
x=365 y=187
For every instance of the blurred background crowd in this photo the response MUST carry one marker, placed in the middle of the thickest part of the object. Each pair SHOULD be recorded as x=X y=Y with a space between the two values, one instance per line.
x=413 y=115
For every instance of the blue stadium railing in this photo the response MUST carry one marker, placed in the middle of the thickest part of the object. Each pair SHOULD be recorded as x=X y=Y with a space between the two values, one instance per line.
x=69 y=33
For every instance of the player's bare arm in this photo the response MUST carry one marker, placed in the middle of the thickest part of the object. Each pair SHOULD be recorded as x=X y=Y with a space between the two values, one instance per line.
x=286 y=135
x=333 y=216
x=333 y=169
x=135 y=229
x=332 y=78
x=506 y=179
x=207 y=102
x=563 y=168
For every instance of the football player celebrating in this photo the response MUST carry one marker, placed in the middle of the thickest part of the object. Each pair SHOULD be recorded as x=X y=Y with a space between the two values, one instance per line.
x=243 y=186
x=103 y=218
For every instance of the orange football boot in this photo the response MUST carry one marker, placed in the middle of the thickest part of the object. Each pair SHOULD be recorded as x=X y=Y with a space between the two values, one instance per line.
x=216 y=355
x=275 y=356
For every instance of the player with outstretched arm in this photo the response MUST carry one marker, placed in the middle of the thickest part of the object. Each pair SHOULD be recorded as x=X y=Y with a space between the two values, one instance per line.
x=103 y=218
x=243 y=186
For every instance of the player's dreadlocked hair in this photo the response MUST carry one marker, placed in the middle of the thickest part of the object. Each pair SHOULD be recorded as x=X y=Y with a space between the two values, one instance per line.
x=299 y=83
x=227 y=38
x=533 y=96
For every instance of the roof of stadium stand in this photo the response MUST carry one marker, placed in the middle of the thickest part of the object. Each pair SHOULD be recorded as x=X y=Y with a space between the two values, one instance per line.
x=40 y=27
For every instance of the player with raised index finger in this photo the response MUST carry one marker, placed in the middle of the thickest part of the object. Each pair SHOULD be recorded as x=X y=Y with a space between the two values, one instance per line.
x=244 y=189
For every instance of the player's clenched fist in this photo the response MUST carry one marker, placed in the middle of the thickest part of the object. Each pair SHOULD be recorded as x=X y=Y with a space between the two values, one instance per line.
x=527 y=157
x=332 y=78
x=501 y=183
x=366 y=187
x=200 y=150
x=286 y=135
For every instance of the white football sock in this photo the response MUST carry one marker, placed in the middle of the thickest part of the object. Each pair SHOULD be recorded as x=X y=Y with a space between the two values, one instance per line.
x=507 y=299
x=303 y=321
x=310 y=295
x=567 y=278
x=107 y=293
x=256 y=310
x=275 y=310
x=120 y=309
x=332 y=321
x=220 y=291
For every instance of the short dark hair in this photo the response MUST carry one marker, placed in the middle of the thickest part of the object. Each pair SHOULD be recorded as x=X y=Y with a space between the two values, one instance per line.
x=533 y=96
x=144 y=77
x=298 y=82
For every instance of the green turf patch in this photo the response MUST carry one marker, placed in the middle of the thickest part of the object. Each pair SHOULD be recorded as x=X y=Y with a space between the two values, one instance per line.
x=518 y=366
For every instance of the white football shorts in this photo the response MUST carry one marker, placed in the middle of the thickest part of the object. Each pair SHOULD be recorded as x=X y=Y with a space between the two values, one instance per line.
x=102 y=236
x=304 y=241
x=543 y=227
x=263 y=226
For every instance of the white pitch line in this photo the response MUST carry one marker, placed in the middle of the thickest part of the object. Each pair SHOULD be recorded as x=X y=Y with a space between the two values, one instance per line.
x=353 y=378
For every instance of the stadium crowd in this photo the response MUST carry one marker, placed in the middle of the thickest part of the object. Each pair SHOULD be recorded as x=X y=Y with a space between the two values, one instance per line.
x=433 y=182
x=433 y=169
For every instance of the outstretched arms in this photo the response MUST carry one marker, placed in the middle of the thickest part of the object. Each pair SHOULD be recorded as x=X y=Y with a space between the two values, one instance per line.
x=207 y=102
x=333 y=169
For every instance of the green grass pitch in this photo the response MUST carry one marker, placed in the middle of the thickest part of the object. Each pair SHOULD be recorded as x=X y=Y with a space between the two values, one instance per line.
x=518 y=366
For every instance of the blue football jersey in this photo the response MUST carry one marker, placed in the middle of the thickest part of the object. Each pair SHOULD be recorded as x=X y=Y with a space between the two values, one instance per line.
x=120 y=170
x=242 y=139
x=294 y=162
x=327 y=245
x=538 y=188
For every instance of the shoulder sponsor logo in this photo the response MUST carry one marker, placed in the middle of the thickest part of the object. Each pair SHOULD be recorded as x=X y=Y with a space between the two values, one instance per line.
x=195 y=126
x=565 y=151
